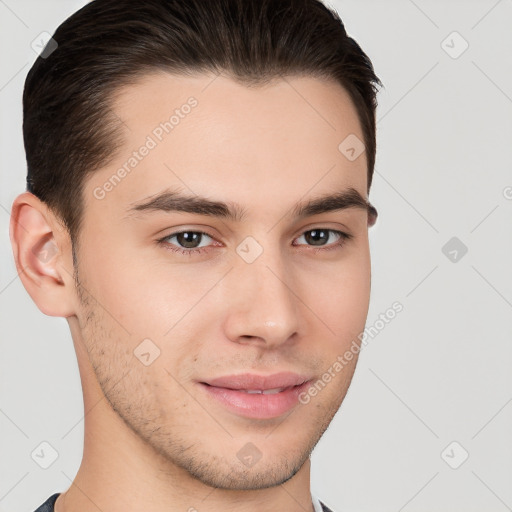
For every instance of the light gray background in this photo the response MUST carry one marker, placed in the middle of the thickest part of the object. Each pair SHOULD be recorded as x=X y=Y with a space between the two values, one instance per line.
x=440 y=371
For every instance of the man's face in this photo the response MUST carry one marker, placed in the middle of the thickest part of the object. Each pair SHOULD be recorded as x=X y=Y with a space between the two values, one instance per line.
x=163 y=315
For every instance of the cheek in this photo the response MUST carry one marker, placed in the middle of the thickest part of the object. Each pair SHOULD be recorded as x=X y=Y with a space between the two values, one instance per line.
x=341 y=297
x=128 y=288
x=142 y=301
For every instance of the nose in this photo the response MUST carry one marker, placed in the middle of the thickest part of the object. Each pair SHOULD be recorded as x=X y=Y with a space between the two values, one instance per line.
x=263 y=308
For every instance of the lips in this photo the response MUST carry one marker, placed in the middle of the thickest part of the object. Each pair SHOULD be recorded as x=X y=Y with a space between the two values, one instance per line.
x=257 y=396
x=250 y=381
x=263 y=391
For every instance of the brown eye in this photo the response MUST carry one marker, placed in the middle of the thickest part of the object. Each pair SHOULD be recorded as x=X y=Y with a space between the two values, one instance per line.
x=317 y=236
x=323 y=237
x=186 y=242
x=189 y=239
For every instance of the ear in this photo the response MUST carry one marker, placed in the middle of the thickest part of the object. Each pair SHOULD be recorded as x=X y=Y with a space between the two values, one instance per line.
x=372 y=216
x=42 y=253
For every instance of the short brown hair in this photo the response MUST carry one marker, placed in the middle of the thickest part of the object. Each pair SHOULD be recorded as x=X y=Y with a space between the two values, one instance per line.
x=69 y=130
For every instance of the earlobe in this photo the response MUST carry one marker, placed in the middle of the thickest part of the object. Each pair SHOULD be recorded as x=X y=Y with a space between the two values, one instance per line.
x=39 y=248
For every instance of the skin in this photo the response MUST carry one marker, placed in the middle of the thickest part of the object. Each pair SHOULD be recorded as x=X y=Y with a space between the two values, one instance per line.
x=153 y=440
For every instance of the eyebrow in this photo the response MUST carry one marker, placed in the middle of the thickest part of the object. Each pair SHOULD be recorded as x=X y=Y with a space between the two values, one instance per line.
x=169 y=201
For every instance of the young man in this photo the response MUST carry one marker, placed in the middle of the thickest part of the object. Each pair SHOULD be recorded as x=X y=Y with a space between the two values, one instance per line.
x=197 y=208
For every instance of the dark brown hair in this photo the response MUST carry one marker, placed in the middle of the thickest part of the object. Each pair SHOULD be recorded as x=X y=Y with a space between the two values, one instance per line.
x=69 y=130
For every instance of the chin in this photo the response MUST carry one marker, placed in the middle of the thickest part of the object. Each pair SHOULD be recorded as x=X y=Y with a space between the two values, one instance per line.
x=236 y=478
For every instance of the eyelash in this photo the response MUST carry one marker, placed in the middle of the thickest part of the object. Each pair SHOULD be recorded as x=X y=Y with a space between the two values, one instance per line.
x=344 y=237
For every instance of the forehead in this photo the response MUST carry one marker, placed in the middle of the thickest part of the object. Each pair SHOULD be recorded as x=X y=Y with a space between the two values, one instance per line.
x=212 y=135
